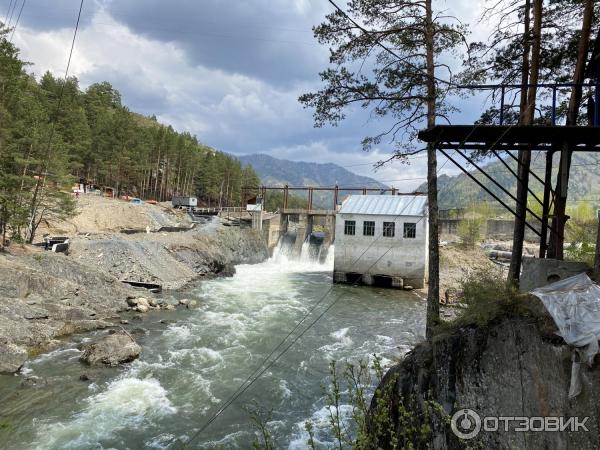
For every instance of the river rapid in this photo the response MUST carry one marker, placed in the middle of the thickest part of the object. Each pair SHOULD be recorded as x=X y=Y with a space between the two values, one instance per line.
x=192 y=364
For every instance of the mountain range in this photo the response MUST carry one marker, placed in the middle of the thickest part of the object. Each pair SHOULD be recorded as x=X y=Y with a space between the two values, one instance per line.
x=457 y=191
x=279 y=172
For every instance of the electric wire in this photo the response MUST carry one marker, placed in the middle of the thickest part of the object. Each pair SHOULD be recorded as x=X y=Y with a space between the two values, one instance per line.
x=12 y=34
x=257 y=373
x=251 y=380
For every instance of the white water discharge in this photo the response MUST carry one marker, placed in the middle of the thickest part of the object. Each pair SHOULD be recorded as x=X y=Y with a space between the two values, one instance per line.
x=192 y=365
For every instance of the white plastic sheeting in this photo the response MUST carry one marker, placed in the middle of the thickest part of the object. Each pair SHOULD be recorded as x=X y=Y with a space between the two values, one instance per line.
x=574 y=304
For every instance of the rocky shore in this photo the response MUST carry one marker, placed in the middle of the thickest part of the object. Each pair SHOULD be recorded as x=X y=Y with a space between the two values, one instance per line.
x=45 y=296
x=513 y=367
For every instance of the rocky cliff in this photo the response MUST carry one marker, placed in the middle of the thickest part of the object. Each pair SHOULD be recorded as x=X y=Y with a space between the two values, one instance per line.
x=512 y=367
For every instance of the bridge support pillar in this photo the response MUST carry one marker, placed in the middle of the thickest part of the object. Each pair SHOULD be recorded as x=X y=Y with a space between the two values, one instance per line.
x=303 y=230
x=257 y=219
x=329 y=237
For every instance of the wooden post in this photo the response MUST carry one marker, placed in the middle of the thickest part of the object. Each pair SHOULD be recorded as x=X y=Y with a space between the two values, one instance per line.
x=546 y=205
x=336 y=193
x=596 y=274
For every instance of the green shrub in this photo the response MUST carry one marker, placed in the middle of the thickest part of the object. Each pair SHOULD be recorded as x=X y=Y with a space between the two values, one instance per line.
x=487 y=296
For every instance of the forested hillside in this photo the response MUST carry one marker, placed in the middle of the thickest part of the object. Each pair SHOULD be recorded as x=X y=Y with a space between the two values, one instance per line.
x=52 y=133
x=460 y=191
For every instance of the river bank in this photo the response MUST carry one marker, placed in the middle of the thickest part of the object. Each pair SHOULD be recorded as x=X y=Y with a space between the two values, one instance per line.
x=48 y=296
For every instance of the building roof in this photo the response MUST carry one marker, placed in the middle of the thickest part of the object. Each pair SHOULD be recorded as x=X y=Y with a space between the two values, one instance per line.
x=385 y=205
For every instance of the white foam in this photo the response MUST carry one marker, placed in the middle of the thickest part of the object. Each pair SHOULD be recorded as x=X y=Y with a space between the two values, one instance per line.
x=321 y=422
x=125 y=403
x=181 y=332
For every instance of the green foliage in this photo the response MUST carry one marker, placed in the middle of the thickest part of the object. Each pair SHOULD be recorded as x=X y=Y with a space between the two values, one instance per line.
x=397 y=87
x=469 y=231
x=487 y=297
x=264 y=440
x=391 y=419
x=275 y=201
x=474 y=218
x=581 y=230
x=52 y=134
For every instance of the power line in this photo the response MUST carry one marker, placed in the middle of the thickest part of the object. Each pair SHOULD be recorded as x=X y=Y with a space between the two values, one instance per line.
x=38 y=185
x=8 y=10
x=17 y=22
x=391 y=52
x=14 y=6
x=251 y=380
x=257 y=373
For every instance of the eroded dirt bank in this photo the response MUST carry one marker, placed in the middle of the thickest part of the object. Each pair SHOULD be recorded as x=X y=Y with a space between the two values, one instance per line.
x=46 y=296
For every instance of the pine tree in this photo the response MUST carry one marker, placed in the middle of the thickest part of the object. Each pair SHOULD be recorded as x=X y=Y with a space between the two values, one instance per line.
x=403 y=42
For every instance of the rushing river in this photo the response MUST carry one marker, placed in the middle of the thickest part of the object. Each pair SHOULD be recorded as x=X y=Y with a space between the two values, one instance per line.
x=191 y=365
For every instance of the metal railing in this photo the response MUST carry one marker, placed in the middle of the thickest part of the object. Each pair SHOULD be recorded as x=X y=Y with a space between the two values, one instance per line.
x=554 y=87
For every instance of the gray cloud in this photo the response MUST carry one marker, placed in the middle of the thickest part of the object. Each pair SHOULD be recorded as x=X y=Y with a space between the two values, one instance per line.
x=267 y=39
x=229 y=72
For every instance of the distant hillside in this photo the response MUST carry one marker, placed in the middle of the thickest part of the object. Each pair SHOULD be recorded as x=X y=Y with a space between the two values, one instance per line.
x=278 y=172
x=460 y=191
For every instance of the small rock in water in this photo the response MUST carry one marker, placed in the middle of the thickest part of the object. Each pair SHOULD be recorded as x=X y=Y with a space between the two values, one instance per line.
x=124 y=322
x=167 y=321
x=111 y=350
x=184 y=301
x=84 y=377
x=408 y=288
x=141 y=308
x=144 y=302
x=170 y=307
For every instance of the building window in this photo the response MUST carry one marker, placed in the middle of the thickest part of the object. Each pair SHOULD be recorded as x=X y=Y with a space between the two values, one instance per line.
x=368 y=228
x=350 y=227
x=410 y=230
x=389 y=229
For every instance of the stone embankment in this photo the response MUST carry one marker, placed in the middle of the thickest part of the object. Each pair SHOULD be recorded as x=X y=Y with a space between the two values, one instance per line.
x=46 y=296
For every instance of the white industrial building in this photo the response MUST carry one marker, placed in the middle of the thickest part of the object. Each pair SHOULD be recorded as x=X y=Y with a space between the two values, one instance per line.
x=382 y=239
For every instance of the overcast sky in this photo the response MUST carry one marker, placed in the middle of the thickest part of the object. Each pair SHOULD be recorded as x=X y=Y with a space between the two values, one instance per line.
x=229 y=72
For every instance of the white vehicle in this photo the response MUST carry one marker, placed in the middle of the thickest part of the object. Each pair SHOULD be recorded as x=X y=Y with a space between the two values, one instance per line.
x=184 y=202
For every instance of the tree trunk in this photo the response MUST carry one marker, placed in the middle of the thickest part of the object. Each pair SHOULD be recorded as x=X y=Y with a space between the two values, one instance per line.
x=597 y=256
x=559 y=221
x=527 y=115
x=525 y=65
x=433 y=293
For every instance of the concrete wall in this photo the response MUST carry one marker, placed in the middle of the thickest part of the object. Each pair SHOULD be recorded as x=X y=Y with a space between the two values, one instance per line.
x=541 y=272
x=401 y=257
x=490 y=229
x=272 y=229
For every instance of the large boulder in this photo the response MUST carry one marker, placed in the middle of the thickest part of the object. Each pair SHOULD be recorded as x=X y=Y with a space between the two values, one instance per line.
x=12 y=358
x=111 y=350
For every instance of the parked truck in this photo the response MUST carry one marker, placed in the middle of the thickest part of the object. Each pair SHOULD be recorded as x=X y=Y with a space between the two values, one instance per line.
x=184 y=202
